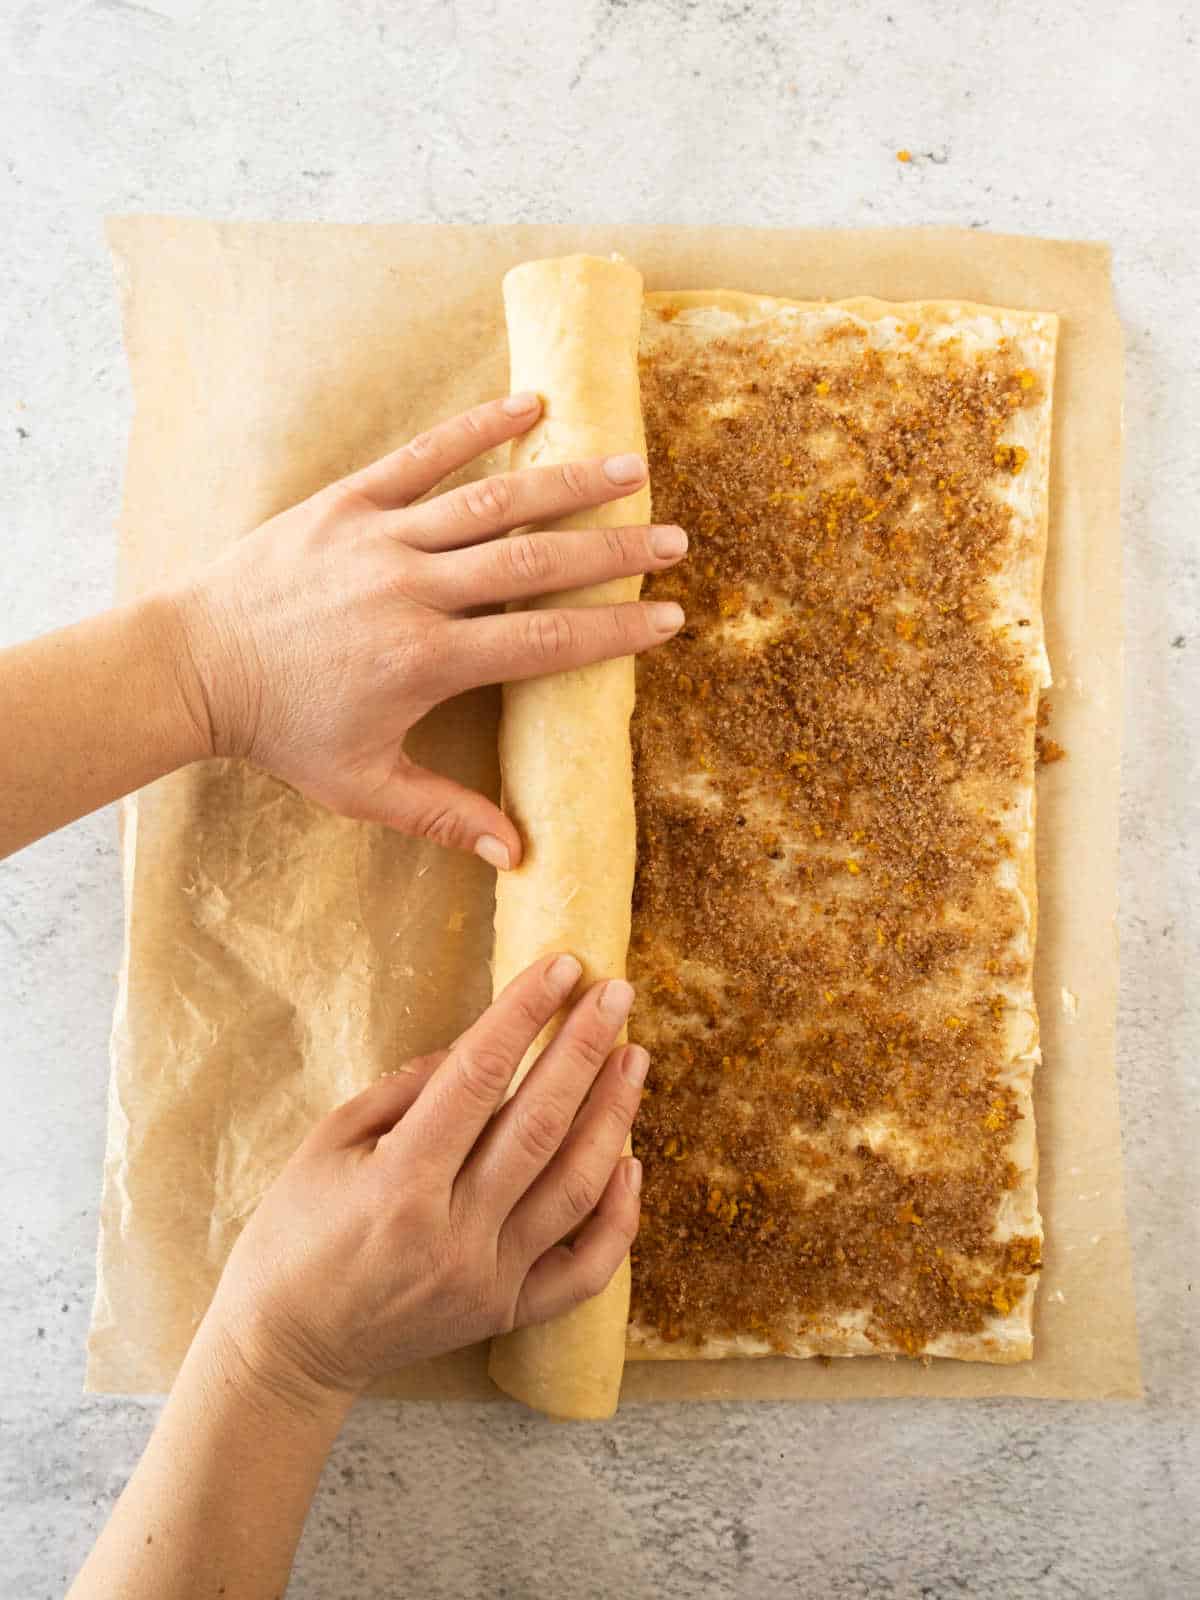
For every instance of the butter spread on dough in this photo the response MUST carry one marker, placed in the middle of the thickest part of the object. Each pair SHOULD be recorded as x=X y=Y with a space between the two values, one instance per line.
x=835 y=909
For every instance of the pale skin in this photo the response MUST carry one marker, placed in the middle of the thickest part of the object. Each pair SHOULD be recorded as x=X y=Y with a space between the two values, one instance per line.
x=429 y=1212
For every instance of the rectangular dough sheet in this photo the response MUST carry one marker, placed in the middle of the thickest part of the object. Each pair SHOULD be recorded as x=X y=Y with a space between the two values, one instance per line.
x=835 y=909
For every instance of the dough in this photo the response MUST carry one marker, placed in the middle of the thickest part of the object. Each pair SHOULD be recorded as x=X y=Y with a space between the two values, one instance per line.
x=573 y=327
x=957 y=1254
x=835 y=906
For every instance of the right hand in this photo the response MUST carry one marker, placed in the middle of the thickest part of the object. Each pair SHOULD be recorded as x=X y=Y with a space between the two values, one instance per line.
x=317 y=641
x=425 y=1214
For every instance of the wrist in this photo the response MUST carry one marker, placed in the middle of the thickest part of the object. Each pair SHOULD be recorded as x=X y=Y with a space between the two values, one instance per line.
x=263 y=1383
x=184 y=724
x=162 y=617
x=212 y=669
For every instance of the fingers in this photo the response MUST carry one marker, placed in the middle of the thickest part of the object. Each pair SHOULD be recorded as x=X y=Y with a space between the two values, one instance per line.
x=481 y=510
x=570 y=1273
x=527 y=1134
x=470 y=1084
x=427 y=805
x=541 y=563
x=570 y=1188
x=532 y=644
x=377 y=1109
x=423 y=462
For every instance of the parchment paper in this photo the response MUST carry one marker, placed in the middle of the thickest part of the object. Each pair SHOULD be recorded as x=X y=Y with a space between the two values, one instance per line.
x=278 y=958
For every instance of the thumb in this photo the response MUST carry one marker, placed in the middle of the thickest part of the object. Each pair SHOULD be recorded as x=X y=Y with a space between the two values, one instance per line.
x=430 y=806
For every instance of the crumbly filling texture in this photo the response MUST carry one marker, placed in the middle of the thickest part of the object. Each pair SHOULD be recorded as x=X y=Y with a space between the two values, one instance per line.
x=832 y=936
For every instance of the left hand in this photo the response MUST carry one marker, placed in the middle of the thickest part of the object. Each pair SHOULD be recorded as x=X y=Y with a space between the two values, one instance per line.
x=317 y=641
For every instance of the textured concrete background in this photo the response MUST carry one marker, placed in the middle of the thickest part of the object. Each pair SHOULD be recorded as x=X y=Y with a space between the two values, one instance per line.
x=1070 y=119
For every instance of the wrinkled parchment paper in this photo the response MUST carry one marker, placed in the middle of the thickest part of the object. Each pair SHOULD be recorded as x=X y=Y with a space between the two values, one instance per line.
x=278 y=958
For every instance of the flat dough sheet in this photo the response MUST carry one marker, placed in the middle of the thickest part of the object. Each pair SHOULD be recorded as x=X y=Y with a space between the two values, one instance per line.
x=835 y=918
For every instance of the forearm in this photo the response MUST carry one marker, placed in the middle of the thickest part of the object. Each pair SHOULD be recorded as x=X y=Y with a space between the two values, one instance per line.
x=90 y=713
x=218 y=1501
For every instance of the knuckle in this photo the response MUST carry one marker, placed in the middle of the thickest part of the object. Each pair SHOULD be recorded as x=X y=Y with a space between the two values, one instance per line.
x=589 y=1048
x=629 y=624
x=615 y=1117
x=540 y=1129
x=618 y=545
x=488 y=499
x=548 y=635
x=574 y=479
x=532 y=560
x=484 y=1071
x=472 y=424
x=442 y=826
x=342 y=501
x=580 y=1191
x=423 y=447
x=528 y=1014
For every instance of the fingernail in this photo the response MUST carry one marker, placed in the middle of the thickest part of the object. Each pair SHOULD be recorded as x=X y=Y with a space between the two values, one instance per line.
x=633 y=1175
x=516 y=405
x=624 y=469
x=635 y=1066
x=563 y=974
x=666 y=616
x=616 y=1000
x=668 y=542
x=494 y=851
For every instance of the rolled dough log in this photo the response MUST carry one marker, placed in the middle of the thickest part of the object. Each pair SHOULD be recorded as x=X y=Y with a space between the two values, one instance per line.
x=573 y=328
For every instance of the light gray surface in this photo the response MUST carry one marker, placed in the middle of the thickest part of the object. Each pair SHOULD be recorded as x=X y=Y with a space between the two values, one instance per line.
x=1074 y=119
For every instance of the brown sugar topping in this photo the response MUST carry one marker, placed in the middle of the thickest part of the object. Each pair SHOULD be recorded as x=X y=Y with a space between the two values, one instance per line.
x=828 y=763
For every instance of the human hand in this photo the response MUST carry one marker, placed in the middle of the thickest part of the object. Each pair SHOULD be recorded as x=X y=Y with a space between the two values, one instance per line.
x=318 y=640
x=423 y=1215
